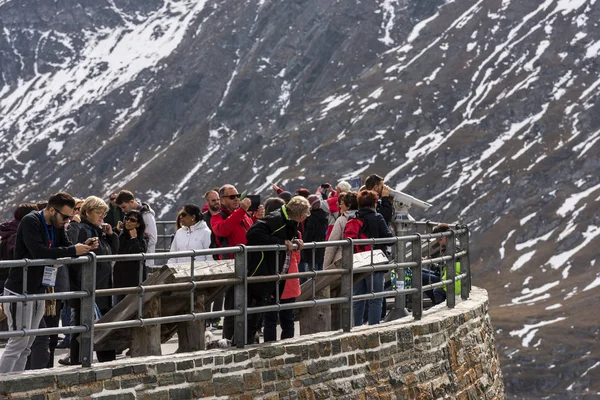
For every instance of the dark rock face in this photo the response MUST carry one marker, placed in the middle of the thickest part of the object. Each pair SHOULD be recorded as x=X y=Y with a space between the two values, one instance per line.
x=484 y=108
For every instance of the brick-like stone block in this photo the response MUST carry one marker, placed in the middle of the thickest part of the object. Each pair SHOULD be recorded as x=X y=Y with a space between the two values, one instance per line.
x=276 y=362
x=66 y=380
x=125 y=370
x=336 y=346
x=228 y=385
x=103 y=374
x=293 y=360
x=281 y=386
x=271 y=351
x=27 y=384
x=313 y=350
x=269 y=375
x=199 y=375
x=180 y=393
x=186 y=364
x=324 y=349
x=239 y=357
x=300 y=369
x=388 y=336
x=202 y=389
x=163 y=367
x=165 y=379
x=88 y=376
x=252 y=381
x=162 y=394
x=141 y=369
x=285 y=373
x=112 y=384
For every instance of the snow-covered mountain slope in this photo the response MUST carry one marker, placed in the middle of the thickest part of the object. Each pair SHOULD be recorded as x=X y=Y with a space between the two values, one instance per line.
x=485 y=108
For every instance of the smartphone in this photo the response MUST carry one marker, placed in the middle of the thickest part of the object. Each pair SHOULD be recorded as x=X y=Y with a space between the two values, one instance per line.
x=255 y=202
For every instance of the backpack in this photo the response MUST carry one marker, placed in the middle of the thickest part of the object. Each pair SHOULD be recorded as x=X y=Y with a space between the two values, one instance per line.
x=356 y=228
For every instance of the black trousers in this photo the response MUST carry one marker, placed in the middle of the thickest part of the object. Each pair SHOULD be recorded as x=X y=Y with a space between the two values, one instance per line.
x=103 y=356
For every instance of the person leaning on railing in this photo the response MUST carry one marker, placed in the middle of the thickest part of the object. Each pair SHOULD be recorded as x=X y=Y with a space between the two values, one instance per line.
x=278 y=227
x=347 y=206
x=41 y=235
x=374 y=226
x=92 y=227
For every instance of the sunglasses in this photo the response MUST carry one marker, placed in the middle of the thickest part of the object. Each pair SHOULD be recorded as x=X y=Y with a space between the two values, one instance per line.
x=65 y=217
x=131 y=219
x=77 y=209
x=113 y=198
x=233 y=196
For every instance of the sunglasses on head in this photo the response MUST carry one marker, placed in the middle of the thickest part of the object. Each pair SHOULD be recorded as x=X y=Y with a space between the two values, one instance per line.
x=233 y=196
x=131 y=219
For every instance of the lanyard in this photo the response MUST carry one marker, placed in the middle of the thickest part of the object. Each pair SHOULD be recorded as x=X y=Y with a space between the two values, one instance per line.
x=48 y=231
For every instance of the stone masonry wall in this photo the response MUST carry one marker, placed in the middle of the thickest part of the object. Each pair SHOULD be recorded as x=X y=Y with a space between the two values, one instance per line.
x=449 y=354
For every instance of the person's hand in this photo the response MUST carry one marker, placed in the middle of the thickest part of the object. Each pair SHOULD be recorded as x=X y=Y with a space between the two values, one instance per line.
x=299 y=242
x=133 y=233
x=120 y=225
x=81 y=249
x=289 y=245
x=275 y=187
x=385 y=191
x=92 y=243
x=76 y=218
x=245 y=204
x=107 y=229
x=260 y=212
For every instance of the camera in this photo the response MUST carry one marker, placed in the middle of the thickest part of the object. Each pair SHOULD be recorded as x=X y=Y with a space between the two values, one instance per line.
x=255 y=202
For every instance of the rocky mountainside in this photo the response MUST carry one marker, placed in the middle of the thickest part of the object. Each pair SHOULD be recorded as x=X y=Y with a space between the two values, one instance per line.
x=485 y=108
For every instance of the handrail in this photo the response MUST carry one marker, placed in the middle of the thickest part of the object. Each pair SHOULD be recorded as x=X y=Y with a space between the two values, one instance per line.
x=240 y=282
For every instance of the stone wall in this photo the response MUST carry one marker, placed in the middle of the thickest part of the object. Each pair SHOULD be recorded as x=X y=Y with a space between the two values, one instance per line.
x=449 y=354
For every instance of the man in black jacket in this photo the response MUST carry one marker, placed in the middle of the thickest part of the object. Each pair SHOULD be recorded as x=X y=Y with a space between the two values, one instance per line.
x=40 y=235
x=279 y=227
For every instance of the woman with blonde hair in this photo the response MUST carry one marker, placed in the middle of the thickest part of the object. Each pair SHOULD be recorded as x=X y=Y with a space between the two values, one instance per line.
x=92 y=225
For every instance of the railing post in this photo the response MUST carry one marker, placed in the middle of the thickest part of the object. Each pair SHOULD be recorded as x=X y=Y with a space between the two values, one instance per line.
x=465 y=267
x=240 y=298
x=347 y=286
x=417 y=279
x=399 y=310
x=451 y=270
x=88 y=284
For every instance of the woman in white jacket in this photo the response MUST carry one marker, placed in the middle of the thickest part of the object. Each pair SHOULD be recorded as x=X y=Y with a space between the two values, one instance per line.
x=348 y=205
x=193 y=234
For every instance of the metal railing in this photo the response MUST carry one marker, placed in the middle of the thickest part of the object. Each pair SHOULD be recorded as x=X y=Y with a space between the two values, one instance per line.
x=240 y=282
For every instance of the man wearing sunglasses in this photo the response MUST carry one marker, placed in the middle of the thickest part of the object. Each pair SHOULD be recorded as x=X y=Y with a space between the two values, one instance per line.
x=230 y=226
x=115 y=214
x=41 y=234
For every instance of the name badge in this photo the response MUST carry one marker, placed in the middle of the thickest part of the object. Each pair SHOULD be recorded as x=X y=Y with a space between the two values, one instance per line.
x=49 y=276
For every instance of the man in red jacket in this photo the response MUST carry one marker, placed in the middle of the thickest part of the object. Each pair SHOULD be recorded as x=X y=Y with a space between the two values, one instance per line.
x=229 y=226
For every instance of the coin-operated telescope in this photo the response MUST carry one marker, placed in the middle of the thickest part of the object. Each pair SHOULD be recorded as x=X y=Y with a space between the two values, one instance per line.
x=403 y=202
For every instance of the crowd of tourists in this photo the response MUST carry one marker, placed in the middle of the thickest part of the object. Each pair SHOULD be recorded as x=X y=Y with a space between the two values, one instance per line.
x=65 y=226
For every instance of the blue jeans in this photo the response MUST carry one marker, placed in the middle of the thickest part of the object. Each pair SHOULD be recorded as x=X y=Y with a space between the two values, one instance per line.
x=375 y=305
x=429 y=278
